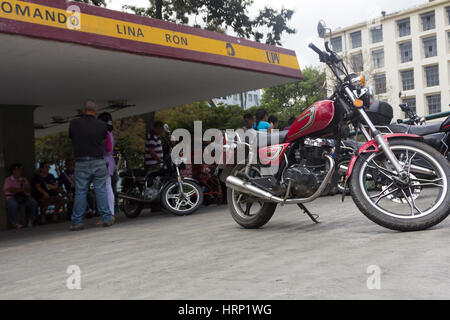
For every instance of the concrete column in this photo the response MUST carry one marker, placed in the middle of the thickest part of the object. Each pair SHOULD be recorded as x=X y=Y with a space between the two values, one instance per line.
x=16 y=145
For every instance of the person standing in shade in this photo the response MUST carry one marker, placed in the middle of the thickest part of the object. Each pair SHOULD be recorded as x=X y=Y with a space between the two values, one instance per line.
x=88 y=135
x=153 y=147
x=109 y=158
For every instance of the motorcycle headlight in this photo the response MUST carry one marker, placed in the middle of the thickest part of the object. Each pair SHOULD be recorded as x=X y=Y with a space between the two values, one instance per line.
x=358 y=81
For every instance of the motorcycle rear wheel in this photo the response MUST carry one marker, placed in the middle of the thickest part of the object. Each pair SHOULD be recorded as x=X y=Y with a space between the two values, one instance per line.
x=132 y=209
x=415 y=196
x=245 y=217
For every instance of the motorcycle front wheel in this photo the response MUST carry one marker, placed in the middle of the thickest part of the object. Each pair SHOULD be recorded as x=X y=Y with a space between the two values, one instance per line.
x=419 y=203
x=182 y=203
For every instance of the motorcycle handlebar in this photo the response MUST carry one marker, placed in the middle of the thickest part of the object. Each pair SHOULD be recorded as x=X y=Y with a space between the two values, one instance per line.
x=317 y=50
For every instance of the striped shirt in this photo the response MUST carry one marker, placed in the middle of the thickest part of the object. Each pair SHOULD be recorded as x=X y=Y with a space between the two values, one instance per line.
x=153 y=142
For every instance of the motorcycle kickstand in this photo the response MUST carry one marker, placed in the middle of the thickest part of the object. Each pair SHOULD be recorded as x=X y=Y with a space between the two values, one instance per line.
x=313 y=217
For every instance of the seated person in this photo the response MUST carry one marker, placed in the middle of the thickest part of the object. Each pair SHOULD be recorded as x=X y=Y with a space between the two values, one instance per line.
x=46 y=192
x=17 y=191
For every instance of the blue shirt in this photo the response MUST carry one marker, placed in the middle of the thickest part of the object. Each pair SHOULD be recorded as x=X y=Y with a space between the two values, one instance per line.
x=262 y=126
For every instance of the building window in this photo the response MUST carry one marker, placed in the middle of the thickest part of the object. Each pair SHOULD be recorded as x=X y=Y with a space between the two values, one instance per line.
x=430 y=47
x=380 y=83
x=432 y=75
x=377 y=34
x=404 y=27
x=357 y=62
x=408 y=79
x=411 y=103
x=434 y=103
x=378 y=58
x=406 y=52
x=356 y=39
x=336 y=44
x=256 y=99
x=250 y=98
x=448 y=15
x=428 y=21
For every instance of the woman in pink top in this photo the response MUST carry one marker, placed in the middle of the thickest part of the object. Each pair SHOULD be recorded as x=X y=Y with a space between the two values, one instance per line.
x=17 y=191
x=109 y=157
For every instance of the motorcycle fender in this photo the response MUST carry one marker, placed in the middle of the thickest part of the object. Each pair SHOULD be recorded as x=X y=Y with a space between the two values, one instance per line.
x=372 y=147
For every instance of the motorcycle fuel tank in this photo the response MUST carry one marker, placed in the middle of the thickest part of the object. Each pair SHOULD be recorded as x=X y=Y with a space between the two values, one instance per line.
x=315 y=118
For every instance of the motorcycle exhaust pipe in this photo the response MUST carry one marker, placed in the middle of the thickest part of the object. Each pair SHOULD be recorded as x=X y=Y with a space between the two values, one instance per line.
x=246 y=187
x=127 y=197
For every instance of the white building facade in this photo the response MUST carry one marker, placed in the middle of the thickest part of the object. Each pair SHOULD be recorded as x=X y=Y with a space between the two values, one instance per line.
x=407 y=52
x=246 y=99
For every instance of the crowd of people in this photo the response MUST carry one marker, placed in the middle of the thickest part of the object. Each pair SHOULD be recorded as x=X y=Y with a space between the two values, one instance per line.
x=93 y=163
x=263 y=122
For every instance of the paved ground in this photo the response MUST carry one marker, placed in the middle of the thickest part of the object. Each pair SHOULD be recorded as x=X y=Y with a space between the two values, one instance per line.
x=207 y=256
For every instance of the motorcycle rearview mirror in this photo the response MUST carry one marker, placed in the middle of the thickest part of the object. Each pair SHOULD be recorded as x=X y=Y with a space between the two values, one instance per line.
x=321 y=29
x=166 y=128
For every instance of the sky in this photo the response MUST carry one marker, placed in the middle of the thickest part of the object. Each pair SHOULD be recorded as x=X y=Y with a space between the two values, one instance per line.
x=336 y=13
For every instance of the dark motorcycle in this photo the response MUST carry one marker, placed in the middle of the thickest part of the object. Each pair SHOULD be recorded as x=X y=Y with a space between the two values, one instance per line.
x=435 y=134
x=386 y=183
x=161 y=185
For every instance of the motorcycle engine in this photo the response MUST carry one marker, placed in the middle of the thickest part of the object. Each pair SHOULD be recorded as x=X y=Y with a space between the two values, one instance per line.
x=309 y=168
x=152 y=192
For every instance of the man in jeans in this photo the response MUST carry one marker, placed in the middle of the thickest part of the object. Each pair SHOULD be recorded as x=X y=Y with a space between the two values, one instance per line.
x=88 y=135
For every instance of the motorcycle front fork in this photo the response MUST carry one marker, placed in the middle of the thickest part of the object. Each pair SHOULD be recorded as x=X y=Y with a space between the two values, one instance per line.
x=382 y=144
x=180 y=180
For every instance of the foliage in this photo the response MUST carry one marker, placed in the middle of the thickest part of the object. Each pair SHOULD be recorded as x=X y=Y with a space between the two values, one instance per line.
x=99 y=3
x=218 y=15
x=54 y=149
x=291 y=99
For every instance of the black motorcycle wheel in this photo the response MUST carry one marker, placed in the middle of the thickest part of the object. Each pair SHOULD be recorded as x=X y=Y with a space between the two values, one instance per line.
x=132 y=209
x=182 y=205
x=247 y=211
x=398 y=206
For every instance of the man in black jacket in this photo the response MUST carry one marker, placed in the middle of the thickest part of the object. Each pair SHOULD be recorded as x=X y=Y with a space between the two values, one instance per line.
x=88 y=135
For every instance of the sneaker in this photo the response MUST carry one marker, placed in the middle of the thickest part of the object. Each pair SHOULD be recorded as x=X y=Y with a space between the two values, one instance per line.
x=76 y=228
x=17 y=226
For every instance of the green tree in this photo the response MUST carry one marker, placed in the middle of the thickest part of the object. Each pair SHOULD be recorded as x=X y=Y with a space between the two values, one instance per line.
x=291 y=99
x=99 y=3
x=268 y=26
x=54 y=149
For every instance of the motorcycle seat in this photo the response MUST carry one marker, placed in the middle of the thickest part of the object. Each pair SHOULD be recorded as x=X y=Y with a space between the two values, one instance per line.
x=265 y=139
x=418 y=130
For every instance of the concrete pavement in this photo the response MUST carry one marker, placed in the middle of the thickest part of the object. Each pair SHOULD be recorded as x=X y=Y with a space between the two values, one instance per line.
x=208 y=256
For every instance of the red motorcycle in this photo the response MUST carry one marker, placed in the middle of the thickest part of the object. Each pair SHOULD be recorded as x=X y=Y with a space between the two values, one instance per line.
x=396 y=180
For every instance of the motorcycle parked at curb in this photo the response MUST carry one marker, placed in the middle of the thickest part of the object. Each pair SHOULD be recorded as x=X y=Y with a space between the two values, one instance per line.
x=161 y=185
x=404 y=195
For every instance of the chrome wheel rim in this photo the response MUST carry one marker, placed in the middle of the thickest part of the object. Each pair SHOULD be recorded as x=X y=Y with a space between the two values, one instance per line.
x=415 y=198
x=182 y=202
x=246 y=206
